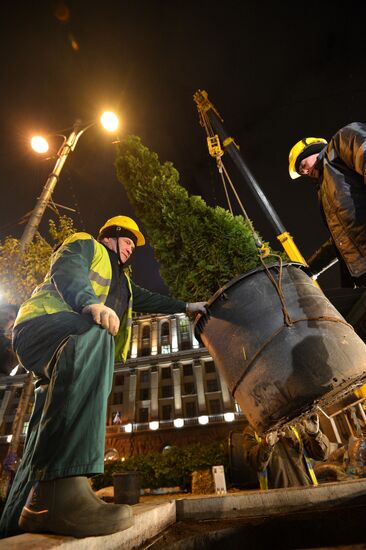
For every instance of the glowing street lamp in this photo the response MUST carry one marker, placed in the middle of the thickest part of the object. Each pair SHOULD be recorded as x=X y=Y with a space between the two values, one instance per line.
x=39 y=144
x=110 y=123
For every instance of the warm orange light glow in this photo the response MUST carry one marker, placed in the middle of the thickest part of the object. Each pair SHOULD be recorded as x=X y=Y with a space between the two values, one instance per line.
x=109 y=121
x=39 y=144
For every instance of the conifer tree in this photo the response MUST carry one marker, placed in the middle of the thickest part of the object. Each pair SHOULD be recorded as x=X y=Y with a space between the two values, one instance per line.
x=199 y=248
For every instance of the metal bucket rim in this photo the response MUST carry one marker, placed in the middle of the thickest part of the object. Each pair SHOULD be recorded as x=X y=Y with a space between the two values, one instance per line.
x=248 y=274
x=235 y=280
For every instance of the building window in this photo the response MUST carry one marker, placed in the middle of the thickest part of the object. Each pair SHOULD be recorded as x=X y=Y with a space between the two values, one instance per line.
x=187 y=370
x=144 y=394
x=166 y=412
x=212 y=385
x=209 y=367
x=189 y=388
x=190 y=408
x=164 y=332
x=144 y=415
x=118 y=398
x=145 y=341
x=184 y=325
x=215 y=406
x=119 y=380
x=144 y=376
x=166 y=373
x=166 y=391
x=185 y=336
x=165 y=337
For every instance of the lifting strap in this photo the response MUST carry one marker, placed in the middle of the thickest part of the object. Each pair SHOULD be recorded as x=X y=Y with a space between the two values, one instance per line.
x=215 y=150
x=263 y=474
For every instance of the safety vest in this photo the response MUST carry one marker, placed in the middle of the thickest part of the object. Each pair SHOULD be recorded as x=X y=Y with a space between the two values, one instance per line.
x=46 y=299
x=263 y=474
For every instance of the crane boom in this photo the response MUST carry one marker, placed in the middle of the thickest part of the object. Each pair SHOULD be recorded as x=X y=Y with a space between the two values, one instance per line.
x=212 y=122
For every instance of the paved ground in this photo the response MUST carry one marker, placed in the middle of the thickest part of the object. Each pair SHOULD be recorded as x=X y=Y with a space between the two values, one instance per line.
x=336 y=529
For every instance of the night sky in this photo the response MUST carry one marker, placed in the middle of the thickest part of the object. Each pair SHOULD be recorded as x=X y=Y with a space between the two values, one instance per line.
x=276 y=71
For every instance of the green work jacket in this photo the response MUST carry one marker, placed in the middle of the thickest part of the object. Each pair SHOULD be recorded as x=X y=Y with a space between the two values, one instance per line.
x=80 y=275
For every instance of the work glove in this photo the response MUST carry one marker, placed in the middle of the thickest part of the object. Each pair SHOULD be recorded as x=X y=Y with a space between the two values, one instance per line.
x=196 y=307
x=103 y=316
x=271 y=438
x=311 y=424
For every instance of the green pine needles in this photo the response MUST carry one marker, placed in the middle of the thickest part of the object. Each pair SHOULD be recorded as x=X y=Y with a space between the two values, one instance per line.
x=199 y=248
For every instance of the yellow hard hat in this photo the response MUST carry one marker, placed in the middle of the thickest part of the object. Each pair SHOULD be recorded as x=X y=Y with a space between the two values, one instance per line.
x=126 y=223
x=312 y=144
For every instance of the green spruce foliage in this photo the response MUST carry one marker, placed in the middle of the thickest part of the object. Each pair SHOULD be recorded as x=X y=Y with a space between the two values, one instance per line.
x=199 y=248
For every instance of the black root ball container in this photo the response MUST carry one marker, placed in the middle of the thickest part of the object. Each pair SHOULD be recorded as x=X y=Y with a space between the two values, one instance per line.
x=280 y=345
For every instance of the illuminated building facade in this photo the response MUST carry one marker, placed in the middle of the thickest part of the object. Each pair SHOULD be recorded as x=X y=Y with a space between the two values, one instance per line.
x=168 y=392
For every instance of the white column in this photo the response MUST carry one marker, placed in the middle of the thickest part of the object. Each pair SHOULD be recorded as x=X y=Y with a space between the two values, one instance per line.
x=226 y=398
x=197 y=369
x=173 y=334
x=134 y=340
x=132 y=398
x=154 y=337
x=177 y=391
x=154 y=395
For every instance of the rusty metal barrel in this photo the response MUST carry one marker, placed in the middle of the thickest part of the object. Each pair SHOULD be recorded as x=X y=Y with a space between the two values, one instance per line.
x=280 y=345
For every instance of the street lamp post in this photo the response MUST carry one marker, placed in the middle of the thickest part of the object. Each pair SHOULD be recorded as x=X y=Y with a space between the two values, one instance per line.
x=110 y=123
x=36 y=216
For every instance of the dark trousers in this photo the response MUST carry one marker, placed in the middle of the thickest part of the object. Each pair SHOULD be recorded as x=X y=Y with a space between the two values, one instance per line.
x=72 y=360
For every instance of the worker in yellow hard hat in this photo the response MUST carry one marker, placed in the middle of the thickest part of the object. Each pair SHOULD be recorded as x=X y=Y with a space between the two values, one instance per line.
x=339 y=170
x=69 y=334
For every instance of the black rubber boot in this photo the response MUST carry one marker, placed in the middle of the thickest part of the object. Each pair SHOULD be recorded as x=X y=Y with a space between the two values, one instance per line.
x=68 y=506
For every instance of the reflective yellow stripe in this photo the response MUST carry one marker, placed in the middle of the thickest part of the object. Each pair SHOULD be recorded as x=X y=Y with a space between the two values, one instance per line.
x=99 y=279
x=263 y=480
x=123 y=337
x=263 y=474
x=308 y=461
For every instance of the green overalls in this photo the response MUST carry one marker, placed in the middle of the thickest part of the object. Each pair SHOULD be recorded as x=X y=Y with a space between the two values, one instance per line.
x=72 y=359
